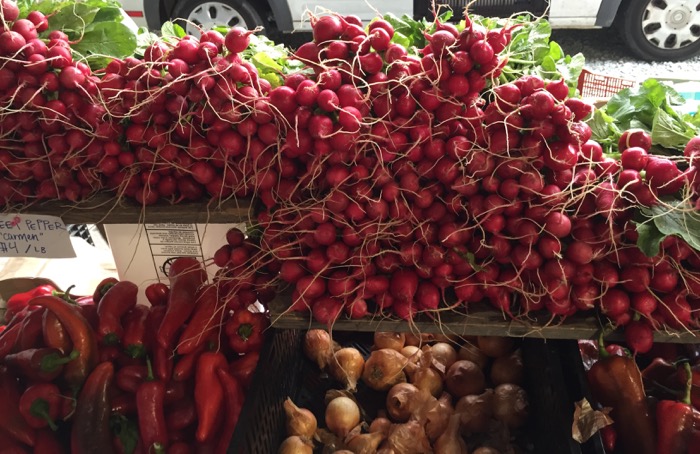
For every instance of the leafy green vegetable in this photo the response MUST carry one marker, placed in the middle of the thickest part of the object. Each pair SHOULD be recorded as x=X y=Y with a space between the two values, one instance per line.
x=105 y=40
x=410 y=33
x=172 y=32
x=671 y=217
x=271 y=60
x=126 y=430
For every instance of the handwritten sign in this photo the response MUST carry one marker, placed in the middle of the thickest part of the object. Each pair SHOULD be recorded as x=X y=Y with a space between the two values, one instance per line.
x=29 y=235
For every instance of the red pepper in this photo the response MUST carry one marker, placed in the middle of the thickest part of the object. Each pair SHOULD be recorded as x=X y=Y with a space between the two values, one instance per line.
x=181 y=415
x=8 y=340
x=150 y=401
x=39 y=364
x=208 y=393
x=55 y=336
x=163 y=363
x=660 y=376
x=109 y=353
x=244 y=367
x=675 y=421
x=135 y=331
x=130 y=377
x=206 y=319
x=11 y=445
x=186 y=276
x=157 y=294
x=153 y=321
x=11 y=420
x=184 y=368
x=41 y=405
x=31 y=336
x=180 y=448
x=124 y=404
x=102 y=288
x=89 y=312
x=234 y=397
x=19 y=301
x=81 y=335
x=48 y=443
x=609 y=436
x=616 y=382
x=245 y=330
x=115 y=303
x=176 y=390
x=91 y=430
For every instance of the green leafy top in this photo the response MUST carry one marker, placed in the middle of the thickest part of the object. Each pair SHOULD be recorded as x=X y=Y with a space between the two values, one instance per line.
x=271 y=60
x=649 y=106
x=96 y=27
x=671 y=217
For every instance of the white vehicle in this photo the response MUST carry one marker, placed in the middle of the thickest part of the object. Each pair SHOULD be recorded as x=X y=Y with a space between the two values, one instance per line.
x=653 y=29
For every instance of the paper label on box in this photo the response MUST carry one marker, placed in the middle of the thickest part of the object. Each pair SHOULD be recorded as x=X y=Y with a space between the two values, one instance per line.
x=34 y=235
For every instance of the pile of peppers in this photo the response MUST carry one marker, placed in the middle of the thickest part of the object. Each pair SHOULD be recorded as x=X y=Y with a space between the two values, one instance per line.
x=103 y=374
x=655 y=407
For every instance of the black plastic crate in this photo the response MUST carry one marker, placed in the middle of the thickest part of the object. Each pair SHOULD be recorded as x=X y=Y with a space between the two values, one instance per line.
x=284 y=372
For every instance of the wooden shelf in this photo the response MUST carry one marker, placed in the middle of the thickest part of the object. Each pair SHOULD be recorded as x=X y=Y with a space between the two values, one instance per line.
x=105 y=209
x=481 y=320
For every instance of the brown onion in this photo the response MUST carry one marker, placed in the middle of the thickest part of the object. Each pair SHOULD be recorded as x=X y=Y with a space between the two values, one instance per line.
x=451 y=442
x=394 y=341
x=418 y=340
x=495 y=346
x=475 y=412
x=380 y=425
x=401 y=401
x=318 y=347
x=510 y=405
x=343 y=451
x=408 y=438
x=438 y=417
x=346 y=366
x=464 y=378
x=365 y=443
x=300 y=421
x=412 y=352
x=342 y=415
x=471 y=352
x=383 y=369
x=508 y=369
x=443 y=353
x=428 y=379
x=296 y=445
x=486 y=450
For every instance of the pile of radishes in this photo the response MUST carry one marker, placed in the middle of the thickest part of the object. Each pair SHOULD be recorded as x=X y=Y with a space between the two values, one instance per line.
x=441 y=397
x=392 y=180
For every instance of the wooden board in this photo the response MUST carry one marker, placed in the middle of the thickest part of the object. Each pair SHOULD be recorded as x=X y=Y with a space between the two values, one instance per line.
x=481 y=320
x=105 y=209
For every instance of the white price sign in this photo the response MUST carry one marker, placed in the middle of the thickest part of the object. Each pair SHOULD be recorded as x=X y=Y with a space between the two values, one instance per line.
x=32 y=235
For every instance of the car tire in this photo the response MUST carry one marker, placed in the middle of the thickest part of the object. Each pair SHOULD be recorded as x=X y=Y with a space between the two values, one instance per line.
x=192 y=14
x=652 y=28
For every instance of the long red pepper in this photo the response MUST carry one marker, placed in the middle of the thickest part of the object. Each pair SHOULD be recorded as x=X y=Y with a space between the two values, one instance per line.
x=135 y=331
x=180 y=448
x=82 y=337
x=184 y=368
x=186 y=276
x=55 y=336
x=129 y=378
x=181 y=415
x=124 y=404
x=207 y=317
x=150 y=401
x=674 y=421
x=39 y=364
x=115 y=303
x=10 y=445
x=208 y=393
x=11 y=419
x=233 y=397
x=157 y=294
x=91 y=433
x=48 y=443
x=8 y=340
x=31 y=335
x=41 y=405
x=102 y=288
x=19 y=301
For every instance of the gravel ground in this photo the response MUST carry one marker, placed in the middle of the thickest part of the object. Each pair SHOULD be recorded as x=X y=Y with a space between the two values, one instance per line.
x=606 y=53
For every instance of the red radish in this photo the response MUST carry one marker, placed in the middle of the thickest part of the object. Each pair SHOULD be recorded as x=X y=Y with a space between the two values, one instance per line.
x=440 y=41
x=559 y=89
x=481 y=52
x=639 y=336
x=237 y=39
x=9 y=12
x=692 y=150
x=579 y=252
x=404 y=285
x=644 y=302
x=585 y=296
x=634 y=138
x=614 y=302
x=635 y=158
x=428 y=296
x=664 y=281
x=663 y=176
x=675 y=311
x=11 y=43
x=579 y=108
x=26 y=28
x=635 y=278
x=326 y=310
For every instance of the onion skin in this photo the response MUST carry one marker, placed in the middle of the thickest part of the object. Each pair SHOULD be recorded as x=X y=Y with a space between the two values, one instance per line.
x=342 y=415
x=400 y=401
x=508 y=369
x=451 y=442
x=475 y=412
x=510 y=405
x=318 y=347
x=464 y=378
x=438 y=417
x=394 y=341
x=300 y=421
x=383 y=369
x=412 y=352
x=428 y=379
x=296 y=445
x=443 y=353
x=365 y=443
x=346 y=366
x=380 y=425
x=495 y=346
x=471 y=352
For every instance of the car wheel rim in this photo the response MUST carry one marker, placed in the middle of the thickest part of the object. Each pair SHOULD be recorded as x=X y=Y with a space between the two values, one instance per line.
x=672 y=24
x=211 y=14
